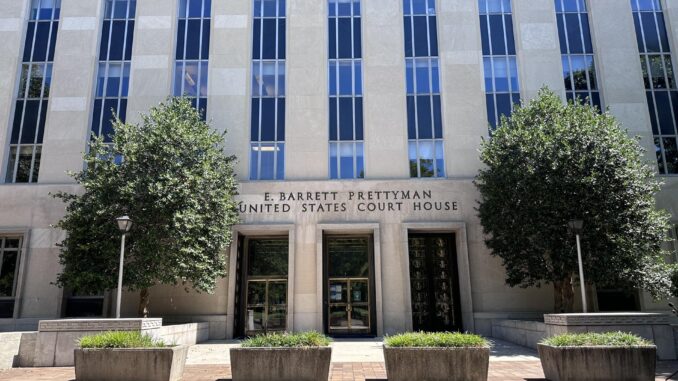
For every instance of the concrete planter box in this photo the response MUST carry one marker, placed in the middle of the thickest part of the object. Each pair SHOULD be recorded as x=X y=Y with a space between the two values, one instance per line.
x=598 y=363
x=147 y=364
x=281 y=364
x=437 y=364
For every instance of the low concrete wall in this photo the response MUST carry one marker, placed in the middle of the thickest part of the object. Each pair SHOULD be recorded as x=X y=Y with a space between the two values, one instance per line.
x=217 y=323
x=17 y=349
x=522 y=332
x=184 y=334
x=57 y=338
x=652 y=326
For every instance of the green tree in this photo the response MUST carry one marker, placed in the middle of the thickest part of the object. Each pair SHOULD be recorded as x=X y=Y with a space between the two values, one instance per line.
x=553 y=162
x=170 y=175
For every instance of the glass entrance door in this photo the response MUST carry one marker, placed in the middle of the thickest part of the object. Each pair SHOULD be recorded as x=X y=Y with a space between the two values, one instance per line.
x=434 y=283
x=348 y=297
x=349 y=305
x=264 y=286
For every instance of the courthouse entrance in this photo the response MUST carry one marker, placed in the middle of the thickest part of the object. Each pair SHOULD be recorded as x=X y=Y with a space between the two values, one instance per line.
x=434 y=282
x=348 y=285
x=261 y=285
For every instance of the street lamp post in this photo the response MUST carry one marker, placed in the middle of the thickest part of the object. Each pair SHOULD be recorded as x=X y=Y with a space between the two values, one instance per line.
x=576 y=226
x=124 y=224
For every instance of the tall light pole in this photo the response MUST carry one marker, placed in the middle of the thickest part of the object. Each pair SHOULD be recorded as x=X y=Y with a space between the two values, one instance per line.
x=124 y=224
x=576 y=226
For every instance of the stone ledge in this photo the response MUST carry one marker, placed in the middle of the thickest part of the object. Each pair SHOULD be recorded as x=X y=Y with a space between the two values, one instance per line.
x=624 y=318
x=73 y=325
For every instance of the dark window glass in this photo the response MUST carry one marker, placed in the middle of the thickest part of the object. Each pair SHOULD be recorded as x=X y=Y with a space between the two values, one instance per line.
x=411 y=115
x=510 y=43
x=504 y=104
x=205 y=39
x=359 y=118
x=433 y=34
x=345 y=119
x=256 y=39
x=333 y=118
x=424 y=121
x=281 y=39
x=332 y=40
x=29 y=41
x=497 y=34
x=103 y=47
x=671 y=154
x=561 y=35
x=130 y=38
x=41 y=122
x=437 y=117
x=664 y=111
x=420 y=37
x=484 y=36
x=639 y=36
x=269 y=39
x=268 y=257
x=193 y=42
x=650 y=31
x=41 y=42
x=574 y=33
x=357 y=44
x=117 y=41
x=268 y=119
x=345 y=38
x=16 y=127
x=281 y=119
x=587 y=35
x=7 y=271
x=30 y=122
x=663 y=36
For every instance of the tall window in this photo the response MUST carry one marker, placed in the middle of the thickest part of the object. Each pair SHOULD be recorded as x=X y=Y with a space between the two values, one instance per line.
x=115 y=54
x=267 y=158
x=499 y=59
x=346 y=95
x=660 y=84
x=579 y=69
x=424 y=113
x=10 y=252
x=30 y=111
x=193 y=48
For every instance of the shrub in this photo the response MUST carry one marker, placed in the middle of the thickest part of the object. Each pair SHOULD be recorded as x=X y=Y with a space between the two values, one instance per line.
x=436 y=339
x=120 y=339
x=611 y=339
x=287 y=339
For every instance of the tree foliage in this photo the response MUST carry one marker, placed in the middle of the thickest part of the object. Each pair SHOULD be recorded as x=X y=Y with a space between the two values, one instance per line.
x=171 y=176
x=553 y=162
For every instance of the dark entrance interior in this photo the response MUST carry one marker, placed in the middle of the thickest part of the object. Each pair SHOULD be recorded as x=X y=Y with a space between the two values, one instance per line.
x=617 y=300
x=348 y=286
x=434 y=282
x=261 y=285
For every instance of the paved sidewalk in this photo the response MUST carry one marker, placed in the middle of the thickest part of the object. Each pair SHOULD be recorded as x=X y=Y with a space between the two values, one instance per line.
x=499 y=371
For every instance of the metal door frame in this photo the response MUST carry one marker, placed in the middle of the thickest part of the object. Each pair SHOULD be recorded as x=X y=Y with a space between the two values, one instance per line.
x=372 y=330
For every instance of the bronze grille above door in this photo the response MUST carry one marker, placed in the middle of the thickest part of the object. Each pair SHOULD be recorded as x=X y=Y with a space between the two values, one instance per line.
x=434 y=282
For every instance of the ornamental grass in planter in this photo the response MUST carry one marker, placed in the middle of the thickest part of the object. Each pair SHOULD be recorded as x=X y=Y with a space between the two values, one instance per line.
x=596 y=356
x=436 y=356
x=128 y=356
x=303 y=356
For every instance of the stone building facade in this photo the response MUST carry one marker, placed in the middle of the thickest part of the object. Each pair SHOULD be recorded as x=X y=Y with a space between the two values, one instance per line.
x=356 y=124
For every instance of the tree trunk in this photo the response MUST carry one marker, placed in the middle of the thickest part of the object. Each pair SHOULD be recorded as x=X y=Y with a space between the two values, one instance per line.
x=144 y=298
x=563 y=291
